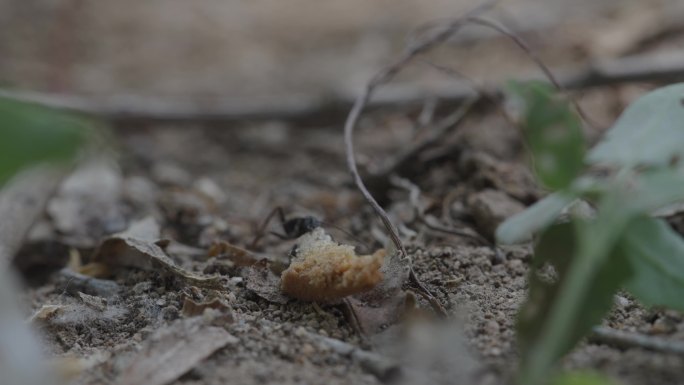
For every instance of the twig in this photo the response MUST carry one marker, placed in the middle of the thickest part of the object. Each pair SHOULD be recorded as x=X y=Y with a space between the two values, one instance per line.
x=421 y=43
x=414 y=197
x=22 y=201
x=530 y=53
x=433 y=38
x=72 y=282
x=625 y=340
x=132 y=109
x=441 y=130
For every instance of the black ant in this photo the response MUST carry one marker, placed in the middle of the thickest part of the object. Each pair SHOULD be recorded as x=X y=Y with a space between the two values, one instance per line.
x=293 y=228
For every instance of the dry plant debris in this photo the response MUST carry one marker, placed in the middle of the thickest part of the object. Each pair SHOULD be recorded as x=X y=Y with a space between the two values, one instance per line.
x=288 y=341
x=260 y=279
x=141 y=247
x=175 y=349
x=324 y=270
x=192 y=309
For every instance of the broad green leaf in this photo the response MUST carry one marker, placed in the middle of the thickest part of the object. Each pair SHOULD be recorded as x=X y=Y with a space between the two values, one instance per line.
x=553 y=133
x=649 y=132
x=651 y=190
x=557 y=315
x=581 y=378
x=522 y=226
x=32 y=134
x=656 y=254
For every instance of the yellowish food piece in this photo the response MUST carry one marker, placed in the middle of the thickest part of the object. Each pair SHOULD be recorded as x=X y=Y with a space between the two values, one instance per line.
x=324 y=270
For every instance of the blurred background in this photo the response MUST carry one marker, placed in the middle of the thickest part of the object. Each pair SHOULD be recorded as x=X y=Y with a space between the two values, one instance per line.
x=273 y=49
x=202 y=97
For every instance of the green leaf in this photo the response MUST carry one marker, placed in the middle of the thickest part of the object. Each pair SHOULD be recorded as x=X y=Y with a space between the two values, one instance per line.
x=649 y=132
x=581 y=378
x=31 y=134
x=653 y=189
x=556 y=245
x=656 y=254
x=558 y=314
x=522 y=226
x=552 y=132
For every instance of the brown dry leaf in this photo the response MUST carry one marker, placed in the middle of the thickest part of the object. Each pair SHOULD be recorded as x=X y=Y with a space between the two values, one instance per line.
x=239 y=256
x=324 y=270
x=95 y=270
x=140 y=247
x=174 y=350
x=385 y=304
x=260 y=279
x=192 y=308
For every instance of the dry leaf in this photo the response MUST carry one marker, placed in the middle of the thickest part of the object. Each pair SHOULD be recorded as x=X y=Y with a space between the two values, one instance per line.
x=260 y=279
x=95 y=270
x=140 y=247
x=93 y=302
x=237 y=255
x=192 y=308
x=385 y=304
x=45 y=313
x=174 y=350
x=324 y=270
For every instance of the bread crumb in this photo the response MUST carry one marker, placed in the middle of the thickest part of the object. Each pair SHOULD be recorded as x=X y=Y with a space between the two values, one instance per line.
x=324 y=270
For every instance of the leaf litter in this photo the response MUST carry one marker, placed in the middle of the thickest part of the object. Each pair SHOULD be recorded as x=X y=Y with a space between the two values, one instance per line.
x=291 y=341
x=141 y=247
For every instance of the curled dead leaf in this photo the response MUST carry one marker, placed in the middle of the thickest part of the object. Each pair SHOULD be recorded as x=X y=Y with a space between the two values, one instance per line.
x=141 y=247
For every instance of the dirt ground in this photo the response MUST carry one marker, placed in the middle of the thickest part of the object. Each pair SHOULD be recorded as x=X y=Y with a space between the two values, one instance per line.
x=114 y=323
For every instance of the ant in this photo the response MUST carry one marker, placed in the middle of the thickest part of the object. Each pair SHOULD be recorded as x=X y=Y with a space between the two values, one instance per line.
x=293 y=228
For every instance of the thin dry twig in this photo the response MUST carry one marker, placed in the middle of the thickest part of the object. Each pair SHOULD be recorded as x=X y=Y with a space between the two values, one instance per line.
x=440 y=131
x=625 y=340
x=432 y=38
x=422 y=42
x=414 y=199
x=480 y=89
x=530 y=53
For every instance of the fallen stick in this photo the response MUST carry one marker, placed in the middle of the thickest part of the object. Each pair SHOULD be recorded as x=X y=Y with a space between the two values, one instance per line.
x=128 y=109
x=625 y=340
x=22 y=201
